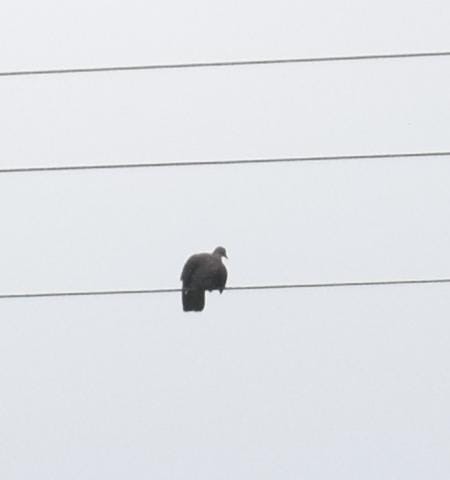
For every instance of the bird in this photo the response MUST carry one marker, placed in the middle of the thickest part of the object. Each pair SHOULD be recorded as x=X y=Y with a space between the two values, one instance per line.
x=201 y=272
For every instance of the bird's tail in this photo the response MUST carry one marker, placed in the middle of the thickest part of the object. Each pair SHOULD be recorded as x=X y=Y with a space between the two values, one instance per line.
x=193 y=300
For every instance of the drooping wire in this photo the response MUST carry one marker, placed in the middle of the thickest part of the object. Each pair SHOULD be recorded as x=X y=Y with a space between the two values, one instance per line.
x=374 y=283
x=121 y=166
x=232 y=63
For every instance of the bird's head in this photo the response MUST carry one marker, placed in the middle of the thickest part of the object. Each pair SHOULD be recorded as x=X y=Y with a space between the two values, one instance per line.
x=220 y=252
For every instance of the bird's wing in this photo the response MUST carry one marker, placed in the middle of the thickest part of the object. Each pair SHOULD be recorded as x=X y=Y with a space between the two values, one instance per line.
x=222 y=275
x=189 y=268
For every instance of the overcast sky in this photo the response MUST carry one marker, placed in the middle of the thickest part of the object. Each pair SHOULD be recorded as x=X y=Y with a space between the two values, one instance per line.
x=298 y=384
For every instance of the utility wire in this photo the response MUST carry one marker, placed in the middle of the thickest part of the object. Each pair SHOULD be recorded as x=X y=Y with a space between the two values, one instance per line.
x=232 y=63
x=250 y=287
x=223 y=162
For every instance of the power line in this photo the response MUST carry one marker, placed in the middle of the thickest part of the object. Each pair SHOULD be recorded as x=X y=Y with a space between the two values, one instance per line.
x=224 y=162
x=377 y=283
x=232 y=63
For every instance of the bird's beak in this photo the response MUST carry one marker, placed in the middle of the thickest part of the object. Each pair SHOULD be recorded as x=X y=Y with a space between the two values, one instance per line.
x=225 y=255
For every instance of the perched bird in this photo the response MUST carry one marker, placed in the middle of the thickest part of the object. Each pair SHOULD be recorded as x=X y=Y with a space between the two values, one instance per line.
x=201 y=272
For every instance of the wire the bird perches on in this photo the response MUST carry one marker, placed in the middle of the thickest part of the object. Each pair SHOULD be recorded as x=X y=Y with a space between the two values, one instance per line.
x=122 y=166
x=221 y=64
x=376 y=283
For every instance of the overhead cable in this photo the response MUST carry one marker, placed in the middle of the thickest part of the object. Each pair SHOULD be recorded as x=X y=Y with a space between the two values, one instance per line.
x=231 y=63
x=375 y=283
x=118 y=166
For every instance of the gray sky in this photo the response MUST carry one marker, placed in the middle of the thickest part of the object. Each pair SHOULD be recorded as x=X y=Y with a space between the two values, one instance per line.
x=342 y=384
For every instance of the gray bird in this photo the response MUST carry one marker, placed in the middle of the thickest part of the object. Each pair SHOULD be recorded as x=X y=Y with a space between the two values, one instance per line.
x=201 y=272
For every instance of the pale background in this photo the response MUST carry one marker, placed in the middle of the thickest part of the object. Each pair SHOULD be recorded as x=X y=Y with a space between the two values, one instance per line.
x=311 y=384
